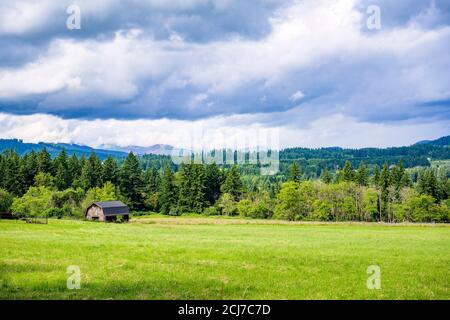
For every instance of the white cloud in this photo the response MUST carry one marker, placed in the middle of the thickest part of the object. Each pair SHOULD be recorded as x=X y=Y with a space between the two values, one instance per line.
x=297 y=96
x=232 y=131
x=361 y=80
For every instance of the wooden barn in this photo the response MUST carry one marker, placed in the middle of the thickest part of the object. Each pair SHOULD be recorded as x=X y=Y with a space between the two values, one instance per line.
x=107 y=211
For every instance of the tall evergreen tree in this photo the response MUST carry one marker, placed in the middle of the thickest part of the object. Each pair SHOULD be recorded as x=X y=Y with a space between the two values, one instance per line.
x=168 y=197
x=326 y=176
x=398 y=174
x=131 y=184
x=45 y=162
x=214 y=179
x=362 y=175
x=348 y=174
x=110 y=171
x=294 y=172
x=91 y=172
x=233 y=183
x=428 y=184
x=376 y=176
x=13 y=179
x=62 y=177
x=192 y=187
x=152 y=180
x=30 y=168
x=385 y=182
x=74 y=168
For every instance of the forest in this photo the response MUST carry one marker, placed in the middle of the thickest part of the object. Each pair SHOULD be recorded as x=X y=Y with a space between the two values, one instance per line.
x=35 y=184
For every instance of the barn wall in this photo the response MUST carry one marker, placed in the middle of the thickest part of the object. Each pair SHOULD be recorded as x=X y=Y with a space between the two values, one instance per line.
x=94 y=213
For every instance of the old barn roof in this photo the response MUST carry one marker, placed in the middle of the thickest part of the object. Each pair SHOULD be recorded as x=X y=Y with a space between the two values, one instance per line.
x=112 y=207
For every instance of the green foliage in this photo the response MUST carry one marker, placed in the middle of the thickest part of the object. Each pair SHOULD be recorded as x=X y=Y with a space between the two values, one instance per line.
x=168 y=196
x=33 y=203
x=322 y=210
x=214 y=179
x=110 y=171
x=131 y=183
x=62 y=177
x=371 y=205
x=91 y=172
x=427 y=183
x=6 y=200
x=233 y=183
x=362 y=175
x=384 y=184
x=294 y=172
x=227 y=205
x=108 y=192
x=326 y=176
x=192 y=188
x=288 y=207
x=43 y=179
x=347 y=174
x=44 y=162
x=68 y=203
x=211 y=211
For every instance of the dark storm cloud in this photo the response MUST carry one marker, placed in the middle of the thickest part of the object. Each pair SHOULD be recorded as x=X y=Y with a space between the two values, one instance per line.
x=197 y=58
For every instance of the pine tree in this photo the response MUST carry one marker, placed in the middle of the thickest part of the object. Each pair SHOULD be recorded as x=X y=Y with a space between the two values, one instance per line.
x=326 y=176
x=168 y=197
x=13 y=179
x=30 y=168
x=347 y=173
x=74 y=168
x=91 y=172
x=427 y=183
x=398 y=173
x=2 y=172
x=45 y=162
x=376 y=177
x=362 y=176
x=233 y=183
x=152 y=181
x=385 y=182
x=192 y=186
x=110 y=171
x=131 y=184
x=62 y=177
x=214 y=179
x=294 y=173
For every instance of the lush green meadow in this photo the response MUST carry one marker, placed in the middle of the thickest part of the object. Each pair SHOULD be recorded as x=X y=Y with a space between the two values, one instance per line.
x=186 y=258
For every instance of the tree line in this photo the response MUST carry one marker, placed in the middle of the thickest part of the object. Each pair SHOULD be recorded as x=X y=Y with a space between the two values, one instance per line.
x=63 y=186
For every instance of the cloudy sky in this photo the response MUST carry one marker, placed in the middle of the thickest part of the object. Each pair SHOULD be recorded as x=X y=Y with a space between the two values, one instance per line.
x=194 y=72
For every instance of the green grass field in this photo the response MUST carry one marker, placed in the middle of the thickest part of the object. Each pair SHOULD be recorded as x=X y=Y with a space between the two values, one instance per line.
x=186 y=258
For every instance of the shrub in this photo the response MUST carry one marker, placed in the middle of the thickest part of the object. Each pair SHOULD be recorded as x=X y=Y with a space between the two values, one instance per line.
x=322 y=210
x=244 y=208
x=227 y=205
x=288 y=207
x=211 y=211
x=33 y=203
x=6 y=201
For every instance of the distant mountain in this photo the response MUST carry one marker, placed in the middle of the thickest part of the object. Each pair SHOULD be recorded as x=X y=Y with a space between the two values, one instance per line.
x=444 y=141
x=159 y=149
x=55 y=148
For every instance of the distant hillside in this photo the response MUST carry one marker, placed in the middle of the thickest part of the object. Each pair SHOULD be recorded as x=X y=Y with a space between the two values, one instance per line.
x=158 y=149
x=444 y=141
x=55 y=148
